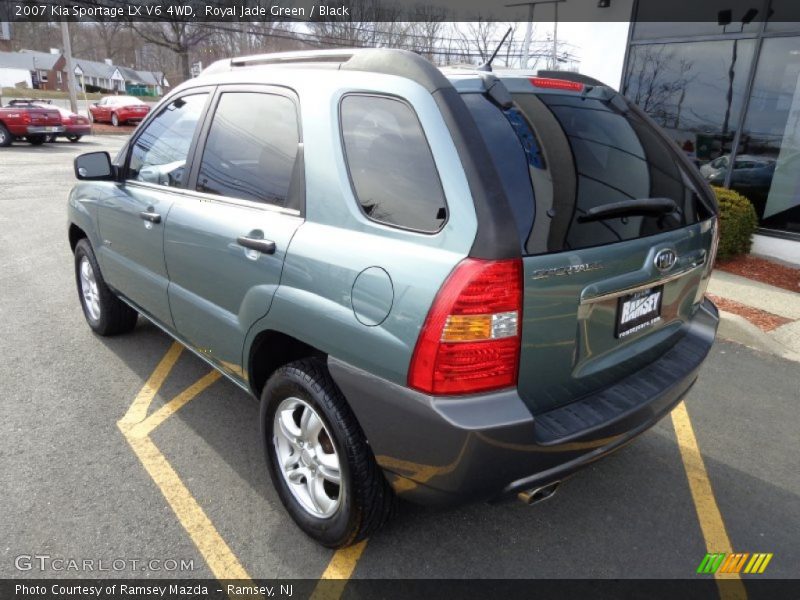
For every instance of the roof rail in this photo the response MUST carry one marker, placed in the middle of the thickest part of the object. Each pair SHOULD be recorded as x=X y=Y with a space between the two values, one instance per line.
x=277 y=58
x=375 y=60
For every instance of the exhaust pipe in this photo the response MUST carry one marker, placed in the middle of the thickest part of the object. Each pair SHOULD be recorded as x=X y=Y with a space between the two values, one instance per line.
x=539 y=494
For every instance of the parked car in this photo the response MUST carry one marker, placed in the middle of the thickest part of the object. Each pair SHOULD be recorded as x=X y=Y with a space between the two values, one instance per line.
x=118 y=110
x=26 y=119
x=748 y=170
x=446 y=286
x=75 y=126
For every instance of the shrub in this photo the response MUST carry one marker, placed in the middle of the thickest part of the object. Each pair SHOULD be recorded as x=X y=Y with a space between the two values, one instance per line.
x=737 y=223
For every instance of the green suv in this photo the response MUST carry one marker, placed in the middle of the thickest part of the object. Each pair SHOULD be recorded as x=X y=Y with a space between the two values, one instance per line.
x=442 y=285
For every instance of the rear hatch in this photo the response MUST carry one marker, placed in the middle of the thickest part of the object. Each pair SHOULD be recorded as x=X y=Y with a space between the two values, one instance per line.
x=616 y=232
x=44 y=116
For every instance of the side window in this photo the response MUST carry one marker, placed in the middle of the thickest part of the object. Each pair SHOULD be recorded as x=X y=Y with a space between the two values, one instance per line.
x=160 y=152
x=390 y=164
x=251 y=148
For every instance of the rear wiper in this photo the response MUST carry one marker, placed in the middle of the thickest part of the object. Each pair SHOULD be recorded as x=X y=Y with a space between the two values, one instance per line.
x=645 y=207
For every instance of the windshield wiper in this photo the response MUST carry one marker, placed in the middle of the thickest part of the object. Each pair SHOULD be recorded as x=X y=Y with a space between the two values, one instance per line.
x=645 y=207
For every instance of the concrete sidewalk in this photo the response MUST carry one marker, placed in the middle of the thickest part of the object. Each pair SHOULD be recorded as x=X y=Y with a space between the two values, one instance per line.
x=783 y=341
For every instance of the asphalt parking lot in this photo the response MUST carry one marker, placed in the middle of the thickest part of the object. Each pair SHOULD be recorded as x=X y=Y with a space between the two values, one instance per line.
x=193 y=486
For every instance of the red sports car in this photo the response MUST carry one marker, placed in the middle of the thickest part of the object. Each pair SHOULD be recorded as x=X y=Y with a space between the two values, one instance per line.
x=118 y=110
x=75 y=125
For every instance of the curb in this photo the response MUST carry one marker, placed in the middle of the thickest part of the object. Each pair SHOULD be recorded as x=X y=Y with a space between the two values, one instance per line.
x=738 y=329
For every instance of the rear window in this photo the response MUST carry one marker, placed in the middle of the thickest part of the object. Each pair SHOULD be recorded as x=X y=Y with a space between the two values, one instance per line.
x=390 y=164
x=559 y=156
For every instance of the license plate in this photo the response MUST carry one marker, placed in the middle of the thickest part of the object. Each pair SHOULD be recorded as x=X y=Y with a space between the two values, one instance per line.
x=51 y=129
x=638 y=311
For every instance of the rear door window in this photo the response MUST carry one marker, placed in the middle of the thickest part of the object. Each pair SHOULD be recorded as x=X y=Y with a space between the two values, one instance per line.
x=251 y=148
x=390 y=164
x=594 y=151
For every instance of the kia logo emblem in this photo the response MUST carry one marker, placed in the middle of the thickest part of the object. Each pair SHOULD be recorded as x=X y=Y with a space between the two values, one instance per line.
x=665 y=259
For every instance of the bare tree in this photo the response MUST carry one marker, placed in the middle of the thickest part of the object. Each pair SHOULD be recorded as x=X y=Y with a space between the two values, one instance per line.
x=179 y=36
x=657 y=83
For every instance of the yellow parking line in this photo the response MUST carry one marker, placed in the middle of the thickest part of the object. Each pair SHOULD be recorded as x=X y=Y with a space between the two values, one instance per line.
x=219 y=557
x=708 y=513
x=145 y=427
x=138 y=410
x=137 y=426
x=340 y=569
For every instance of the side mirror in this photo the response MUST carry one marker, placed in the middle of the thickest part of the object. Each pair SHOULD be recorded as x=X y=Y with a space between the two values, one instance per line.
x=94 y=165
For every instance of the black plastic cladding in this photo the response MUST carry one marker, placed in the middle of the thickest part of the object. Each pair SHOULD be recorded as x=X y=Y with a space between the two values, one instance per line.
x=497 y=236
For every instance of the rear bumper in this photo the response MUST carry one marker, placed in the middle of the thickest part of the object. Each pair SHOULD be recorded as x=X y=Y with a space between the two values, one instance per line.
x=43 y=129
x=83 y=129
x=451 y=450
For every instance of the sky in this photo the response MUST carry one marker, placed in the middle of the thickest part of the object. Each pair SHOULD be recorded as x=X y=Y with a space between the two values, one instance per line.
x=600 y=46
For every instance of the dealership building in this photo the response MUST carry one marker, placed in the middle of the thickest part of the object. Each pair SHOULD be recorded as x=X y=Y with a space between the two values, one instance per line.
x=728 y=92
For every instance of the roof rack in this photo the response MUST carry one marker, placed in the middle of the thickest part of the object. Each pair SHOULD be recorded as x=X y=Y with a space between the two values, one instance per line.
x=375 y=60
x=282 y=58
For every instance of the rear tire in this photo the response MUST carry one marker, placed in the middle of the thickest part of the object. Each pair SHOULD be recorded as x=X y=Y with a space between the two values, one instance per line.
x=364 y=501
x=5 y=136
x=114 y=120
x=105 y=313
x=36 y=140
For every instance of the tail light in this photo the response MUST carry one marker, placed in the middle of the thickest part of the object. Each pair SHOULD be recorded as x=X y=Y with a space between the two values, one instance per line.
x=470 y=341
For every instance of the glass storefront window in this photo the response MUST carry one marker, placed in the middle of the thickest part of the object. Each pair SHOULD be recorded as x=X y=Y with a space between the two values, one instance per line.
x=769 y=152
x=695 y=91
x=653 y=30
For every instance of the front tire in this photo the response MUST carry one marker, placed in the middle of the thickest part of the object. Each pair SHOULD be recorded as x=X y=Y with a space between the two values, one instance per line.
x=105 y=313
x=319 y=459
x=74 y=138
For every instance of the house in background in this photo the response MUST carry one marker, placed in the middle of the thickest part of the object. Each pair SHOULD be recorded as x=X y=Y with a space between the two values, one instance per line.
x=37 y=70
x=5 y=36
x=48 y=71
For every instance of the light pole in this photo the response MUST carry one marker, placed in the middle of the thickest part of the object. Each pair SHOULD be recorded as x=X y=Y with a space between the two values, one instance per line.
x=526 y=47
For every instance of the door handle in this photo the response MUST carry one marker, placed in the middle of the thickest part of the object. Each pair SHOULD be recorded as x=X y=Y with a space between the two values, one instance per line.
x=153 y=217
x=260 y=244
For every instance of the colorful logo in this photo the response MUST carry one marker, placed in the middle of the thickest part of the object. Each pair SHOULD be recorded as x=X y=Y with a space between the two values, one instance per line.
x=723 y=562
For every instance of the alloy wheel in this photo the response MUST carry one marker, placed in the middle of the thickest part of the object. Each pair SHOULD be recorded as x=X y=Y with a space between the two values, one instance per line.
x=89 y=291
x=307 y=458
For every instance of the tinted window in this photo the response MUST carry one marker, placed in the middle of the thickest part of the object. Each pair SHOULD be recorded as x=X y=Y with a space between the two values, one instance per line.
x=251 y=148
x=391 y=166
x=159 y=153
x=594 y=152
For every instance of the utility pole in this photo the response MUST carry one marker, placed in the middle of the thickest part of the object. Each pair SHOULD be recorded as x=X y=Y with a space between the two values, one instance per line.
x=526 y=46
x=73 y=92
x=555 y=38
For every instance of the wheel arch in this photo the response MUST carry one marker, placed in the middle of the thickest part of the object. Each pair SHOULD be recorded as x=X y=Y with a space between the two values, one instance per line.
x=76 y=234
x=270 y=350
